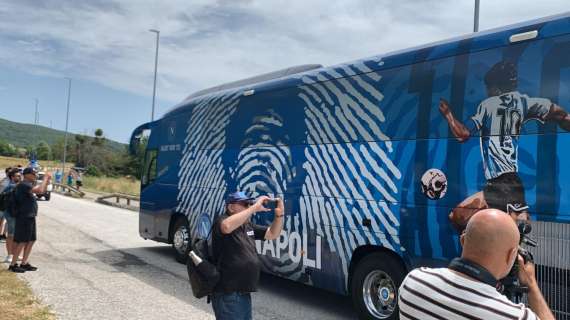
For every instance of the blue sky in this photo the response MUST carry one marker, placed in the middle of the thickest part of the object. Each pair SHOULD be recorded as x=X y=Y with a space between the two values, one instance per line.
x=105 y=46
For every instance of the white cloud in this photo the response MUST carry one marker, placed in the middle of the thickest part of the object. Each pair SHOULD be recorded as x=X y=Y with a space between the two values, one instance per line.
x=206 y=43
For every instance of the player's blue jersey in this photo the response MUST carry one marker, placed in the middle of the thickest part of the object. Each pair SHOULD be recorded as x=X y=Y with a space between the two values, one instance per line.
x=500 y=119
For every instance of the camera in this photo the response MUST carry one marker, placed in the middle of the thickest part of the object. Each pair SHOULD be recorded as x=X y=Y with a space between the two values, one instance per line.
x=511 y=286
x=270 y=204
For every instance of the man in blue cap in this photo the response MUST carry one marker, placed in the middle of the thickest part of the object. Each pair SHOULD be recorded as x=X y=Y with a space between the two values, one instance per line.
x=233 y=242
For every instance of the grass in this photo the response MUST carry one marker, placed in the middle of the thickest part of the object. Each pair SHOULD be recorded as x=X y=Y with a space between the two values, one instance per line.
x=123 y=185
x=17 y=302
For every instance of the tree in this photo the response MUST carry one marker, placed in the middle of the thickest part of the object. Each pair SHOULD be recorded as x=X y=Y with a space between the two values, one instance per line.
x=99 y=138
x=7 y=149
x=57 y=150
x=43 y=151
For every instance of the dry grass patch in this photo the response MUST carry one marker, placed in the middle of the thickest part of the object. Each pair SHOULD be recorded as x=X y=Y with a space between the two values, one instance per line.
x=17 y=302
x=123 y=185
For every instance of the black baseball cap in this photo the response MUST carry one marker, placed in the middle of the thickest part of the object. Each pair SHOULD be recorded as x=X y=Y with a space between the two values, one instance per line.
x=29 y=170
x=238 y=196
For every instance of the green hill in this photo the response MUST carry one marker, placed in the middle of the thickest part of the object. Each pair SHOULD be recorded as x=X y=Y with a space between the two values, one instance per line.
x=22 y=135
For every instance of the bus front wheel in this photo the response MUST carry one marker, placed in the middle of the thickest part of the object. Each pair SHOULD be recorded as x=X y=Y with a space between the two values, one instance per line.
x=374 y=286
x=181 y=239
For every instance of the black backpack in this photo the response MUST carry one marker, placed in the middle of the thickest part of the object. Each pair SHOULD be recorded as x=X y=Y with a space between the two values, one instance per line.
x=205 y=276
x=8 y=201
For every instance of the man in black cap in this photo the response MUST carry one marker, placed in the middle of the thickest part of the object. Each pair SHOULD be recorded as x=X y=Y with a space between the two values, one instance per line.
x=233 y=242
x=25 y=212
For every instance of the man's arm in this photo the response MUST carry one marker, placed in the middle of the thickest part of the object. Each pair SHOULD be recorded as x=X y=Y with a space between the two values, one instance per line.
x=535 y=298
x=41 y=189
x=275 y=229
x=232 y=222
x=457 y=127
x=560 y=116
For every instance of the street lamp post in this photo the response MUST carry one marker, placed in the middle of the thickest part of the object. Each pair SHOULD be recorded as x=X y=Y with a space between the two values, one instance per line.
x=155 y=70
x=66 y=129
x=36 y=134
x=476 y=17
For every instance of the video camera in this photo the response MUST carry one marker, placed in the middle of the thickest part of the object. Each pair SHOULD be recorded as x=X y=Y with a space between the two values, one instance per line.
x=511 y=286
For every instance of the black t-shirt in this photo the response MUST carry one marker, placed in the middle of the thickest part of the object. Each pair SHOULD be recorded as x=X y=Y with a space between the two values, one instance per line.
x=238 y=263
x=26 y=203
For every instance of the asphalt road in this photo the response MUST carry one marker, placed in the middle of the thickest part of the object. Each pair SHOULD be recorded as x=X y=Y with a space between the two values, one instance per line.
x=93 y=265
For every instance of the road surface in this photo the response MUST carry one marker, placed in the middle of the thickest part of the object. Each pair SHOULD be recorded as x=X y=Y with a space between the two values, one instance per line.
x=93 y=265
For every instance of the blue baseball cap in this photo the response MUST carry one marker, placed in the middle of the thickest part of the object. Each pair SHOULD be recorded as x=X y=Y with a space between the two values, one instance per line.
x=238 y=196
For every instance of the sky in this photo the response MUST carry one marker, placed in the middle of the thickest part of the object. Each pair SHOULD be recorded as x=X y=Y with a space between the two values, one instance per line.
x=105 y=47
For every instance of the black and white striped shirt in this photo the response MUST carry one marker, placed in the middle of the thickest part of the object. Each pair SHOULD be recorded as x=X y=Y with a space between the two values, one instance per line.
x=442 y=294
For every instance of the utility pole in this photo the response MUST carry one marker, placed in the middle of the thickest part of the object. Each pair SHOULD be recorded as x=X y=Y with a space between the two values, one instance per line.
x=155 y=70
x=36 y=133
x=476 y=17
x=66 y=129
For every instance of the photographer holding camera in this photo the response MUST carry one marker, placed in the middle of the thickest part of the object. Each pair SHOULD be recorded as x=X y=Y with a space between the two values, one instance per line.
x=234 y=248
x=468 y=287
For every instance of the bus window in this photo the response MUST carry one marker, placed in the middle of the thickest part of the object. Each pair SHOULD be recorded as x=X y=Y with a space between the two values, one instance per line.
x=149 y=173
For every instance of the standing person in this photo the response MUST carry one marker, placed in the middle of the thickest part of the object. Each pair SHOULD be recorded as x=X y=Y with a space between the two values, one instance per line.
x=468 y=287
x=3 y=184
x=58 y=175
x=233 y=242
x=15 y=177
x=78 y=180
x=70 y=179
x=26 y=210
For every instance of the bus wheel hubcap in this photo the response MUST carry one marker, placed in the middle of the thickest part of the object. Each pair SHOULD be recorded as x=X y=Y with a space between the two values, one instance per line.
x=181 y=240
x=379 y=293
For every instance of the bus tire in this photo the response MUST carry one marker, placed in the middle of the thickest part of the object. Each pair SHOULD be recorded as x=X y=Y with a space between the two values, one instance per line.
x=181 y=239
x=374 y=286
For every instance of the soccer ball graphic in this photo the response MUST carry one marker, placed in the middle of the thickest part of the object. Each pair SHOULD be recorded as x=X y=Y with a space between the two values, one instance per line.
x=434 y=184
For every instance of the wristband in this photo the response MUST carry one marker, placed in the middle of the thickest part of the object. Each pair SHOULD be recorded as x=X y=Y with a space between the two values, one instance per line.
x=279 y=215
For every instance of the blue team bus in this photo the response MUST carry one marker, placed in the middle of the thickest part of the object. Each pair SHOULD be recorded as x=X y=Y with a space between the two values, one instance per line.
x=372 y=156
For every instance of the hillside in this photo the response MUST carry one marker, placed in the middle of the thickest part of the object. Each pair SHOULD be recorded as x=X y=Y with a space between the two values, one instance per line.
x=22 y=135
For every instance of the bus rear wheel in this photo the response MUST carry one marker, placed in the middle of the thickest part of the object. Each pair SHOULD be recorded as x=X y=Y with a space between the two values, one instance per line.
x=181 y=239
x=374 y=286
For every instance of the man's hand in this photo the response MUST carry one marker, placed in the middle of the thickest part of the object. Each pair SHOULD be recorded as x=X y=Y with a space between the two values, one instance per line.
x=444 y=107
x=258 y=205
x=526 y=272
x=535 y=298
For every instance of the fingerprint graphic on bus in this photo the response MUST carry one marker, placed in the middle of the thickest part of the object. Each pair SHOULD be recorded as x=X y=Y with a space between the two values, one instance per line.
x=349 y=172
x=201 y=183
x=265 y=166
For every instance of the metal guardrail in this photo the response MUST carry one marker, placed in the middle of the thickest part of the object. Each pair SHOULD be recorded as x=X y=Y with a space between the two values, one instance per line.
x=70 y=190
x=118 y=197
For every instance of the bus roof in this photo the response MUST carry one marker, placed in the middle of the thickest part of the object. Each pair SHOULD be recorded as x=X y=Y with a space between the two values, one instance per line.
x=473 y=42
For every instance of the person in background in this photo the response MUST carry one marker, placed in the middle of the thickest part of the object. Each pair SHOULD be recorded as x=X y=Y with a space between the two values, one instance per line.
x=70 y=179
x=15 y=177
x=58 y=176
x=3 y=184
x=78 y=180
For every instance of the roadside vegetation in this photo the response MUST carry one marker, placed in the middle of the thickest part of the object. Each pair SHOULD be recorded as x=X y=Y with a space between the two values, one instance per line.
x=125 y=185
x=17 y=301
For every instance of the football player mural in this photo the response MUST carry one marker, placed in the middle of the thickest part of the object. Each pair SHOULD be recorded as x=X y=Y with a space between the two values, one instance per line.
x=498 y=120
